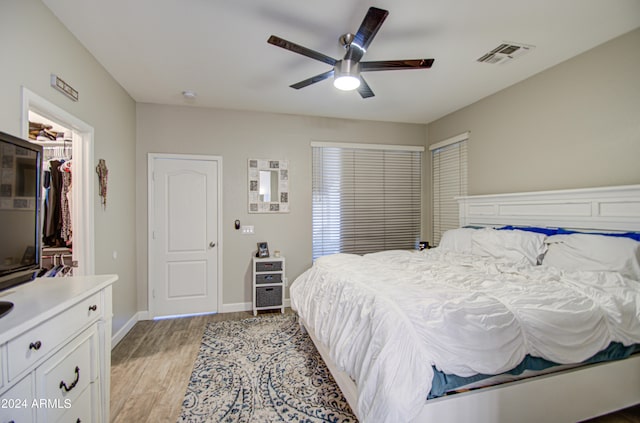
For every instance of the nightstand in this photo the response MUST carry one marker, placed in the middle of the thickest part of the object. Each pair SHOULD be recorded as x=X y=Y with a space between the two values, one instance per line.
x=268 y=283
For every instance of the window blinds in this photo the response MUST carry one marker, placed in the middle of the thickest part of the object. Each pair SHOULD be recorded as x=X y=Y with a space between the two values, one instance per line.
x=365 y=200
x=449 y=178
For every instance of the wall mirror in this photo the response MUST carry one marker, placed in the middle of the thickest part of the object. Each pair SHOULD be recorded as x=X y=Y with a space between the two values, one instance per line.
x=268 y=186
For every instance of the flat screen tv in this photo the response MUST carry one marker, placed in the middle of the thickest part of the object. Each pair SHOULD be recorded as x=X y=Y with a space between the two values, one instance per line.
x=20 y=192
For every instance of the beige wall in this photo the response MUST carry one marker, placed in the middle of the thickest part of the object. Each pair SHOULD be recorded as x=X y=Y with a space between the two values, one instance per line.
x=33 y=45
x=574 y=125
x=238 y=136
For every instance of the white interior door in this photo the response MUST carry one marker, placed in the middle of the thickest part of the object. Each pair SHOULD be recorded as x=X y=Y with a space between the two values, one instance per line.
x=183 y=253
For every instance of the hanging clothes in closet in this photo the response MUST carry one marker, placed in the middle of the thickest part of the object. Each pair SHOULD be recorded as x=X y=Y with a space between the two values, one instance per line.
x=65 y=203
x=57 y=185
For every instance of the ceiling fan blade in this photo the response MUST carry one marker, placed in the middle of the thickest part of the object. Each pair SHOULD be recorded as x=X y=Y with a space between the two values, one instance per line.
x=395 y=65
x=364 y=89
x=296 y=48
x=312 y=80
x=370 y=26
x=367 y=31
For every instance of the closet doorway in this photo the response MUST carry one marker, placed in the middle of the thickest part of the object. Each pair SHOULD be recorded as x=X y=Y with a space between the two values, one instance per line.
x=82 y=194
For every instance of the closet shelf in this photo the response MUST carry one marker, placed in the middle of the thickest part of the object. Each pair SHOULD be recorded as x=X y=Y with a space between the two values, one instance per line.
x=52 y=143
x=56 y=250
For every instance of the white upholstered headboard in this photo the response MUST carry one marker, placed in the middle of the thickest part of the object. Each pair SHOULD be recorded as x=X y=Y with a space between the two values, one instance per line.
x=606 y=208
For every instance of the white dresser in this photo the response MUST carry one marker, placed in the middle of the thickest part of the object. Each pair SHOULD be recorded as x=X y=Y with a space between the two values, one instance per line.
x=55 y=351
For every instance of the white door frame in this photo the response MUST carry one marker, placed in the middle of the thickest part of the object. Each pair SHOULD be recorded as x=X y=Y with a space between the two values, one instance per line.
x=151 y=224
x=83 y=191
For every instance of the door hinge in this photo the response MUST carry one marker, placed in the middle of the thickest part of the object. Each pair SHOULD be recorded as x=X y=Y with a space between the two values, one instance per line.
x=153 y=293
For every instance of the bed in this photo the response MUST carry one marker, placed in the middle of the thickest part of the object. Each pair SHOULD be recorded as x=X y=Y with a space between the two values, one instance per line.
x=364 y=314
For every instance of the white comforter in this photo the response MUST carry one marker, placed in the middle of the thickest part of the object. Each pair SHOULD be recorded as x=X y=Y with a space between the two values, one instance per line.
x=388 y=317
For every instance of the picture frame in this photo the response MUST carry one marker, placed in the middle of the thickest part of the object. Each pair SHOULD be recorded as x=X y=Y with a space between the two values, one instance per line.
x=263 y=250
x=268 y=186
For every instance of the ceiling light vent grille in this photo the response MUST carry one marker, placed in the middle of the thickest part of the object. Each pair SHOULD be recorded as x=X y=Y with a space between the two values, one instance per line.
x=505 y=52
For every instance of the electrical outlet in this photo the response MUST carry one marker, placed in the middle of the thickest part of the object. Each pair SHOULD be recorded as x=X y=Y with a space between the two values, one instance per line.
x=247 y=230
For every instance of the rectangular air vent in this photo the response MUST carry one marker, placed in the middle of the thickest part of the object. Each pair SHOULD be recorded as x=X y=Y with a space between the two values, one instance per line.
x=505 y=52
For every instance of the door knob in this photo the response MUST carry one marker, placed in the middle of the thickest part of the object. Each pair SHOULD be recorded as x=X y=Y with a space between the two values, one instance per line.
x=212 y=244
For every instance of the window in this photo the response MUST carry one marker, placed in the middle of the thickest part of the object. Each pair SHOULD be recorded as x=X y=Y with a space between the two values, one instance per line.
x=449 y=179
x=366 y=198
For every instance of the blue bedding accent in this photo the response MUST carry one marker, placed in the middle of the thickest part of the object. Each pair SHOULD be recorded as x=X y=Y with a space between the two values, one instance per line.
x=545 y=231
x=562 y=231
x=633 y=235
x=444 y=383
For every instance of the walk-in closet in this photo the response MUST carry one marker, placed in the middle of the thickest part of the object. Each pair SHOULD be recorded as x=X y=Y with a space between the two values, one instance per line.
x=66 y=139
x=57 y=194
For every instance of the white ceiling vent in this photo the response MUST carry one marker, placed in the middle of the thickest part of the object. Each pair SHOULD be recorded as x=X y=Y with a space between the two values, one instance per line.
x=505 y=52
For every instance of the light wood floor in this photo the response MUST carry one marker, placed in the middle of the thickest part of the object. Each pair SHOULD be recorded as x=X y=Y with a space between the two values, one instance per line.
x=151 y=366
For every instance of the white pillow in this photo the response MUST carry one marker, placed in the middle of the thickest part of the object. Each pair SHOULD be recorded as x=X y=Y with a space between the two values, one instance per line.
x=512 y=245
x=597 y=253
x=458 y=240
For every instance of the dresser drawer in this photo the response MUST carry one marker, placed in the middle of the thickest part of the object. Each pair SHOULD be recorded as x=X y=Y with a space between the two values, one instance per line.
x=81 y=410
x=66 y=375
x=16 y=403
x=25 y=350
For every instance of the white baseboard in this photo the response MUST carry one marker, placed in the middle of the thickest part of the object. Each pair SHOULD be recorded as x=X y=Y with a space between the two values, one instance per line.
x=144 y=315
x=235 y=307
x=117 y=337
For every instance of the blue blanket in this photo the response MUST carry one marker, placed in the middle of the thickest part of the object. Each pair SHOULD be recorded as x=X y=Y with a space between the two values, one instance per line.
x=447 y=383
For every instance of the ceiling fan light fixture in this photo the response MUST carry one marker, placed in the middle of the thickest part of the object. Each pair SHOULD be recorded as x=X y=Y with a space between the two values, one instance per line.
x=346 y=72
x=346 y=75
x=346 y=82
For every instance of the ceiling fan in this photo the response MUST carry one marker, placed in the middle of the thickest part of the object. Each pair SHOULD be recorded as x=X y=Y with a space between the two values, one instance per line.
x=346 y=72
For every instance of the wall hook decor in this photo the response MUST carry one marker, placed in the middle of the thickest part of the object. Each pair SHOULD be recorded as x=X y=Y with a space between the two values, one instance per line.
x=103 y=173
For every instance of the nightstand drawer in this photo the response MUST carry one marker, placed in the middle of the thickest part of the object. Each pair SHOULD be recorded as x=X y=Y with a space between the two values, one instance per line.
x=268 y=278
x=269 y=266
x=269 y=296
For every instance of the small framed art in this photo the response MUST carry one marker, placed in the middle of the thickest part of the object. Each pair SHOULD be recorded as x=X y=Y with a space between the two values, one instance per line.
x=263 y=250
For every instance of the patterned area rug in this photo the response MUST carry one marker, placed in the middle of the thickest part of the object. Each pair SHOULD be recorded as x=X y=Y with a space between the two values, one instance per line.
x=262 y=369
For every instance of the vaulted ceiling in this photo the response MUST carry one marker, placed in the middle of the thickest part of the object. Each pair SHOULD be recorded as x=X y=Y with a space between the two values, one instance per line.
x=156 y=49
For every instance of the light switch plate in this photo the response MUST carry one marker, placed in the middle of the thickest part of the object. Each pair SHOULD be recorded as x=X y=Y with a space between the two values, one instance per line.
x=247 y=230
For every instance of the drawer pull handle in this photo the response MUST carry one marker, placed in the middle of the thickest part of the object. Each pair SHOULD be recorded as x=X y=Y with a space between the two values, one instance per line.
x=35 y=345
x=93 y=307
x=73 y=384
